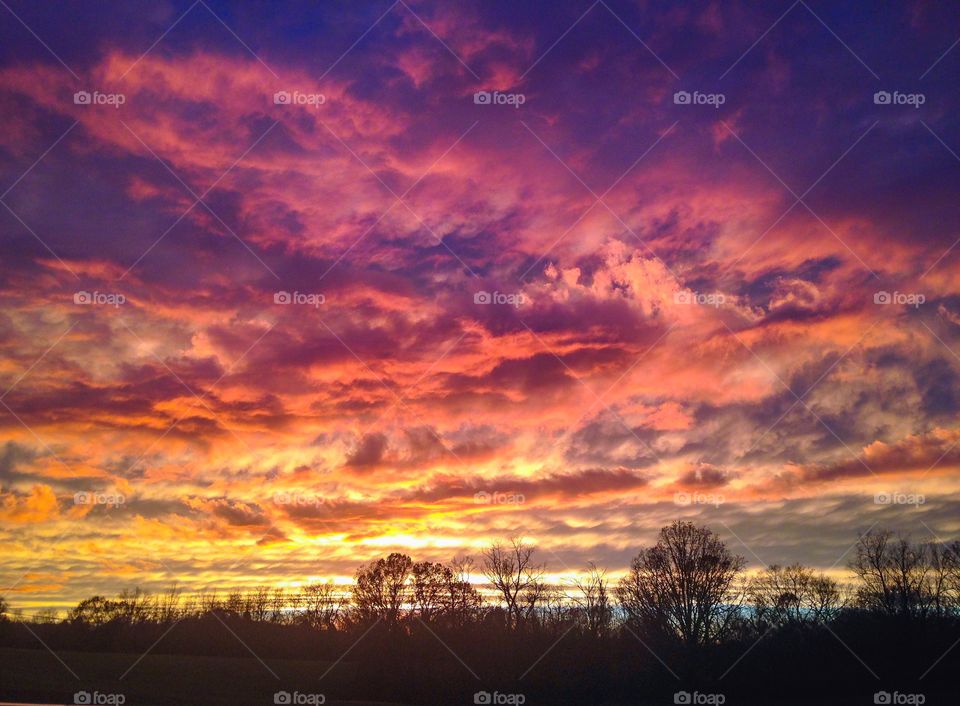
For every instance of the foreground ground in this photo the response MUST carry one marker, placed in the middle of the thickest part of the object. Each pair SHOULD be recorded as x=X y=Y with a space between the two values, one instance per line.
x=37 y=676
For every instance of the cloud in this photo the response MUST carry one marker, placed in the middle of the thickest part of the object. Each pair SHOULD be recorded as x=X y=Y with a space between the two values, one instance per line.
x=369 y=453
x=921 y=453
x=237 y=513
x=36 y=506
x=657 y=338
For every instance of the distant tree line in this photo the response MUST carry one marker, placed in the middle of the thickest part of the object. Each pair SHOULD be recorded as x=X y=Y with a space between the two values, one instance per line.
x=686 y=601
x=688 y=587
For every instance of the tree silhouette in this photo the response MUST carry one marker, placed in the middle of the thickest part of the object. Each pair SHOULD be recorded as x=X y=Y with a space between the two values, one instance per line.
x=898 y=577
x=792 y=595
x=380 y=590
x=321 y=605
x=682 y=588
x=517 y=580
x=593 y=601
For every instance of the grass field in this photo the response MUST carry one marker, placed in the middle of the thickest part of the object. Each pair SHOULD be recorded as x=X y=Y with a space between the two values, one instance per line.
x=37 y=676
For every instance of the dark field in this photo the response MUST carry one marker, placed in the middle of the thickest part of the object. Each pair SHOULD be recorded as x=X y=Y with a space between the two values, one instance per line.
x=33 y=676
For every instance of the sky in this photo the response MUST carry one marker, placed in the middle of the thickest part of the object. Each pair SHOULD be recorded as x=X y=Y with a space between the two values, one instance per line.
x=289 y=286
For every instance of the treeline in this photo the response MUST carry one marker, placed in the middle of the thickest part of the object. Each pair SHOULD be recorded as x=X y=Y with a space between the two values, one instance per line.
x=685 y=614
x=689 y=587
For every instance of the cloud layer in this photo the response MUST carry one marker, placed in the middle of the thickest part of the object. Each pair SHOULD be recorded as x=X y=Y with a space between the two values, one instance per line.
x=283 y=295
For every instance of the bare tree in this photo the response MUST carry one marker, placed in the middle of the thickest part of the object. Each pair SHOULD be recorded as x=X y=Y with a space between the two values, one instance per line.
x=683 y=587
x=258 y=604
x=593 y=601
x=280 y=605
x=380 y=590
x=430 y=589
x=96 y=610
x=135 y=606
x=234 y=604
x=793 y=595
x=465 y=601
x=515 y=577
x=898 y=577
x=321 y=605
x=168 y=606
x=951 y=567
x=46 y=616
x=547 y=606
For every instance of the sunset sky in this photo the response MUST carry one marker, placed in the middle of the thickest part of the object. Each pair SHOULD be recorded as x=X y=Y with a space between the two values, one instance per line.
x=285 y=294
